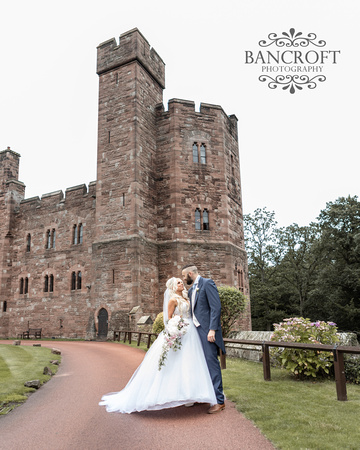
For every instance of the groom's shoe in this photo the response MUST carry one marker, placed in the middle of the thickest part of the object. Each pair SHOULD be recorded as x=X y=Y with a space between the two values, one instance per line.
x=216 y=408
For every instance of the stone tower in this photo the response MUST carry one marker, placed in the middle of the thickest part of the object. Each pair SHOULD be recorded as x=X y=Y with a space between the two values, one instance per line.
x=11 y=193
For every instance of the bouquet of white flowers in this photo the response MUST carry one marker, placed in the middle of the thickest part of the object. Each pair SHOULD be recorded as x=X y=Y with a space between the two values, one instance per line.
x=174 y=331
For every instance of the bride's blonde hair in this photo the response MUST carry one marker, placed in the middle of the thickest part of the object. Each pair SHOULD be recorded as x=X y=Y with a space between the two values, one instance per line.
x=171 y=284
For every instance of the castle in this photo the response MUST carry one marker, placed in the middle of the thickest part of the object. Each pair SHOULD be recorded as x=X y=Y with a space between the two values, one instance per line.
x=167 y=193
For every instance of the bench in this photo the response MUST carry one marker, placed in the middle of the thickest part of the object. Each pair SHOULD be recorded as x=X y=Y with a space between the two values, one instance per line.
x=36 y=332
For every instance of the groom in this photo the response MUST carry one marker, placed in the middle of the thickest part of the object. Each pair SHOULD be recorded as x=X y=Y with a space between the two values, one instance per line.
x=206 y=309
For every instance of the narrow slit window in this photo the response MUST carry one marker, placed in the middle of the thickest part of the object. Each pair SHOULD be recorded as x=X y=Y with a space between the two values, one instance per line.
x=28 y=242
x=4 y=305
x=73 y=281
x=75 y=235
x=80 y=233
x=21 y=288
x=51 y=284
x=203 y=154
x=26 y=287
x=195 y=153
x=53 y=238
x=48 y=239
x=79 y=277
x=197 y=219
x=205 y=220
x=46 y=283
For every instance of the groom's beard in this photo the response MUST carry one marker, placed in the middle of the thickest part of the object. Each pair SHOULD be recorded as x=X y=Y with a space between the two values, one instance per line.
x=189 y=280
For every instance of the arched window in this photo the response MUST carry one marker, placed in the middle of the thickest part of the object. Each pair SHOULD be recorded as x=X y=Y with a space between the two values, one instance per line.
x=80 y=233
x=197 y=219
x=195 y=153
x=202 y=154
x=79 y=280
x=28 y=242
x=205 y=219
x=21 y=288
x=53 y=237
x=46 y=283
x=26 y=287
x=75 y=234
x=51 y=286
x=73 y=281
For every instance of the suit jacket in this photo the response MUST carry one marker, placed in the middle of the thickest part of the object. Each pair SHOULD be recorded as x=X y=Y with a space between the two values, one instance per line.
x=207 y=308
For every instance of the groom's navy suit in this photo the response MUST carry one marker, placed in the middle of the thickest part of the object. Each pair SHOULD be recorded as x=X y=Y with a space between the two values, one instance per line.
x=207 y=310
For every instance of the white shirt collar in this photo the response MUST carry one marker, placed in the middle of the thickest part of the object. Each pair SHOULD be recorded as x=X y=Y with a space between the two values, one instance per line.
x=197 y=280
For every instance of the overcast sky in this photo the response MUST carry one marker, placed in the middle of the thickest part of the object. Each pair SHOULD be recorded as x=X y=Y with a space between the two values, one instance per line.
x=297 y=151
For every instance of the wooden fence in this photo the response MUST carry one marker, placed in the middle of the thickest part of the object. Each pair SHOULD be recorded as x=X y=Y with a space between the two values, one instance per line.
x=337 y=350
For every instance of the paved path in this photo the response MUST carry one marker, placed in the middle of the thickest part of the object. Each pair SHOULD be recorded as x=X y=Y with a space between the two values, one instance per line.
x=64 y=414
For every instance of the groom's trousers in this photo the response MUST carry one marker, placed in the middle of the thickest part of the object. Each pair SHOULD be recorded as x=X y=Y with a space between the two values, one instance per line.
x=211 y=356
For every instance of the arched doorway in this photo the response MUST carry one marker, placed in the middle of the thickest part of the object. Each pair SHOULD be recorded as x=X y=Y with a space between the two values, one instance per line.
x=103 y=323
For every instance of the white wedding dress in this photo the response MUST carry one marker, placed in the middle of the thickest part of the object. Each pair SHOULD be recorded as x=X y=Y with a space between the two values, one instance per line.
x=184 y=378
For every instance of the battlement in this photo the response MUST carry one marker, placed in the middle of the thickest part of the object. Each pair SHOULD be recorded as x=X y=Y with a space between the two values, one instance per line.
x=206 y=109
x=132 y=47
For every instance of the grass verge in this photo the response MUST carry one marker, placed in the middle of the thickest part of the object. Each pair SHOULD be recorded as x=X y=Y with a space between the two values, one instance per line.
x=19 y=364
x=294 y=414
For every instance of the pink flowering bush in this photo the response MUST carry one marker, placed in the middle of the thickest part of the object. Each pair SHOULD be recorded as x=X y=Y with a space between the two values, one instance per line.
x=304 y=363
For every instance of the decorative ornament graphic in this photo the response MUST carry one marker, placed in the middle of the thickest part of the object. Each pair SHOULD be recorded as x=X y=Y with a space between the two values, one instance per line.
x=292 y=40
x=292 y=81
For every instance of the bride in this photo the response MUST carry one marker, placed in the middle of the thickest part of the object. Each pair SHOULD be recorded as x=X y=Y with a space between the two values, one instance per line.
x=183 y=380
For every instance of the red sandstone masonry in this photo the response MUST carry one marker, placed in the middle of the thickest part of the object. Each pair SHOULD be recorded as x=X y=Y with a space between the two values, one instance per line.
x=137 y=217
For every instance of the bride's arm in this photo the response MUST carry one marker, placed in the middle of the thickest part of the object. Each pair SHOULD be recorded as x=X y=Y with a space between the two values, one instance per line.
x=171 y=307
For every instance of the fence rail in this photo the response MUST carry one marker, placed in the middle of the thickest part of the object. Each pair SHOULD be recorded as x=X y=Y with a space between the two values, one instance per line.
x=337 y=350
x=129 y=333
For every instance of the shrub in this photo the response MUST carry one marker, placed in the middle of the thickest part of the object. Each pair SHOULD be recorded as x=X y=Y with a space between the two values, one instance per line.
x=232 y=305
x=304 y=363
x=158 y=324
x=352 y=368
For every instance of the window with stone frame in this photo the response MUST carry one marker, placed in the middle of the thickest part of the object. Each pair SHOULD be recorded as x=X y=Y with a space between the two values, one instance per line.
x=78 y=233
x=199 y=153
x=76 y=280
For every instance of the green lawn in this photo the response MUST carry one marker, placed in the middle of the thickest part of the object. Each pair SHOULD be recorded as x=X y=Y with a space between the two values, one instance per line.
x=19 y=364
x=294 y=414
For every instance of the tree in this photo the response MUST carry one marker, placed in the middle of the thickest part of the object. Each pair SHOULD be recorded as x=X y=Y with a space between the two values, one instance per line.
x=299 y=261
x=232 y=305
x=337 y=289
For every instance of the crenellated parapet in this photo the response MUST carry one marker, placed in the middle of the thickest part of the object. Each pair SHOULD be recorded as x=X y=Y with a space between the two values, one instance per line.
x=132 y=47
x=206 y=110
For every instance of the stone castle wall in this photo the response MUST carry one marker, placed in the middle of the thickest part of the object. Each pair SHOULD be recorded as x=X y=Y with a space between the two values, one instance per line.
x=137 y=218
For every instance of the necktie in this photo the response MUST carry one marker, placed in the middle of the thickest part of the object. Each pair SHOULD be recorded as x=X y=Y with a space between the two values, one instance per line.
x=196 y=322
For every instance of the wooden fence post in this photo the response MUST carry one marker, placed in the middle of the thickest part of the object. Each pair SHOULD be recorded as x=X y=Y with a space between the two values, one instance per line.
x=266 y=362
x=340 y=375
